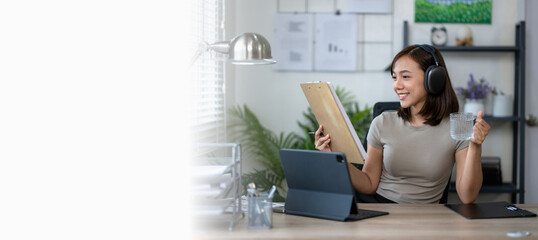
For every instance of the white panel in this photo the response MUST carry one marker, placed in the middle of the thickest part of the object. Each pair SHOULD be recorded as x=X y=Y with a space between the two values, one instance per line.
x=360 y=28
x=342 y=5
x=370 y=6
x=360 y=54
x=377 y=28
x=377 y=56
x=322 y=6
x=292 y=5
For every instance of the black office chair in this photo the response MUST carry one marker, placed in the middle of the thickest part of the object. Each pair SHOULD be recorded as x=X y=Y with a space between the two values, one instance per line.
x=380 y=107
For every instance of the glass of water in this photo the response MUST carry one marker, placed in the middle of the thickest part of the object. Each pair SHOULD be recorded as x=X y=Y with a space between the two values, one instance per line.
x=461 y=125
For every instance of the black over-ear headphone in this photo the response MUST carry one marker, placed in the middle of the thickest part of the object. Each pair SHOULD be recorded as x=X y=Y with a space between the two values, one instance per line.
x=435 y=75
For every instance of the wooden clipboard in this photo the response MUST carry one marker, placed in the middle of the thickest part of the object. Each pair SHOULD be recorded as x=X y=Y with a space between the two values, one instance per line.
x=331 y=114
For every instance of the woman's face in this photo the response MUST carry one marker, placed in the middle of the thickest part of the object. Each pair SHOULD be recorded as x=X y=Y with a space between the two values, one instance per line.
x=409 y=83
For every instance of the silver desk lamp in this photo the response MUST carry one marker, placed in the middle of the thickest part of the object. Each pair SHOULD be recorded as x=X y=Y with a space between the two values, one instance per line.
x=244 y=49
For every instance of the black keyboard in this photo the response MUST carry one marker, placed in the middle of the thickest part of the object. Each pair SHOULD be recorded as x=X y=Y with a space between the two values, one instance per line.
x=363 y=214
x=519 y=211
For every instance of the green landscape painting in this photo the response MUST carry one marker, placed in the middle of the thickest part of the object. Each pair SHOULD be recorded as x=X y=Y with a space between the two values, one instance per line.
x=453 y=11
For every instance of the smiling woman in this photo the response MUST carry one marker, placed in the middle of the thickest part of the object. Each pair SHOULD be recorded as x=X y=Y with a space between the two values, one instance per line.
x=410 y=152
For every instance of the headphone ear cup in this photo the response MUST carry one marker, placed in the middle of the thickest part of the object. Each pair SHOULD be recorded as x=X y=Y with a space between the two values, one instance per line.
x=435 y=79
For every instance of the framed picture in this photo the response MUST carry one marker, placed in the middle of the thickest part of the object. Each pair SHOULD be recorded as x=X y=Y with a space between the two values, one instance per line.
x=453 y=11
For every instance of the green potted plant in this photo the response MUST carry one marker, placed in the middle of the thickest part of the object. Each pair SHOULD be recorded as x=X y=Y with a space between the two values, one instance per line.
x=262 y=144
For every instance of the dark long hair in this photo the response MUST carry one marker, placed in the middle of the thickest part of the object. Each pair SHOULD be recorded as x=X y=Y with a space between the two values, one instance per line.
x=438 y=106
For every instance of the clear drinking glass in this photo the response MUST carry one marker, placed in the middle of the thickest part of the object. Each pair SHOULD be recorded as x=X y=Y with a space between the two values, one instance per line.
x=461 y=125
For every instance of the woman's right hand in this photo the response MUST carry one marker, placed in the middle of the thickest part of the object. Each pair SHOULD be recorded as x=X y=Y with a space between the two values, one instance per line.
x=322 y=142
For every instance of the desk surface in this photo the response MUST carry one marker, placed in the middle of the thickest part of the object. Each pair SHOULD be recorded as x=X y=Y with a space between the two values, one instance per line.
x=405 y=221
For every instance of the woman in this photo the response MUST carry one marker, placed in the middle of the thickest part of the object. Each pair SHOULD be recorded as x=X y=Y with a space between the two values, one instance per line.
x=410 y=152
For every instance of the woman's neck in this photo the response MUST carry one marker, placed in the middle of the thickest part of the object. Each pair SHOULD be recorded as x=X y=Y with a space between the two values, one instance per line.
x=416 y=118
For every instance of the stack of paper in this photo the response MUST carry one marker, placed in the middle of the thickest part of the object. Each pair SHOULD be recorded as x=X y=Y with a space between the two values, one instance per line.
x=210 y=188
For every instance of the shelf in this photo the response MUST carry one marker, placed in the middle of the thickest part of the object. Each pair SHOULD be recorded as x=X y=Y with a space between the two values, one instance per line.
x=504 y=188
x=479 y=49
x=501 y=119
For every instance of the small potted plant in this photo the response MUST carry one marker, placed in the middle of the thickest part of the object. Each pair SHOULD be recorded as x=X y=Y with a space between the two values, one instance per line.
x=502 y=104
x=474 y=94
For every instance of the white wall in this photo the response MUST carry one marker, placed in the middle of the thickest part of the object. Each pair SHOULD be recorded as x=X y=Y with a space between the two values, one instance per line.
x=531 y=133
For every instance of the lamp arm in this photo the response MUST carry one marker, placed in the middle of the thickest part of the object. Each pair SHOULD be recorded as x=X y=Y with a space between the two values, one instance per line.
x=221 y=47
x=202 y=47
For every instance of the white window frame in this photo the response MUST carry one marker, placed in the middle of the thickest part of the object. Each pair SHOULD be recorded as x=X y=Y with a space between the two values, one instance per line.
x=209 y=74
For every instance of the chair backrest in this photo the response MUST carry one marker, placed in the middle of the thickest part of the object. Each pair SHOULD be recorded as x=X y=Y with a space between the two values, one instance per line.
x=380 y=107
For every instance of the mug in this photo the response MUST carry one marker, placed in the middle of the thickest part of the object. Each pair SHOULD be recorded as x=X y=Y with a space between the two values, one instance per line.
x=461 y=125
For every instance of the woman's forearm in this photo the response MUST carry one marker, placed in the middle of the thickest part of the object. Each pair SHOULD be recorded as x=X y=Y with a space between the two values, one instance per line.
x=471 y=179
x=361 y=181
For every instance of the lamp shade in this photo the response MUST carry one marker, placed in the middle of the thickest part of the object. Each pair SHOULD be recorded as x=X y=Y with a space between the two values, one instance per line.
x=250 y=49
x=245 y=49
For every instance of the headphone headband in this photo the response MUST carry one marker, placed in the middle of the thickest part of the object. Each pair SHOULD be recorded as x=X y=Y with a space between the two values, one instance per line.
x=429 y=49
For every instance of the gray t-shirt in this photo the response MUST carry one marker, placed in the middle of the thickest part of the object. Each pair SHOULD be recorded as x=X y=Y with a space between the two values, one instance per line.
x=417 y=160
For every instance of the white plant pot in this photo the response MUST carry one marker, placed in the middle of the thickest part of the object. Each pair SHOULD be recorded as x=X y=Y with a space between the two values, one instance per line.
x=503 y=106
x=473 y=105
x=488 y=104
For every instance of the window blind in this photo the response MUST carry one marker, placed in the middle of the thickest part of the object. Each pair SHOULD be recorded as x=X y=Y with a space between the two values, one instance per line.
x=209 y=74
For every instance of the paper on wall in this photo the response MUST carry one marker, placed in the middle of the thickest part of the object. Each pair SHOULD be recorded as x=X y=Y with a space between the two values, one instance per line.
x=293 y=41
x=336 y=42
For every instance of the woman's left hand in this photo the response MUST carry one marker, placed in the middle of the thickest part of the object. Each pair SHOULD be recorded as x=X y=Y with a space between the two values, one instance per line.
x=481 y=129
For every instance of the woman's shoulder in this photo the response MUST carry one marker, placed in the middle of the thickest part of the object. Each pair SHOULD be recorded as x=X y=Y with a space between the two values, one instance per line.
x=388 y=116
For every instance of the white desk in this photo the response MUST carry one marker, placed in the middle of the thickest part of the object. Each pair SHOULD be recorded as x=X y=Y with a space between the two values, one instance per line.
x=405 y=221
